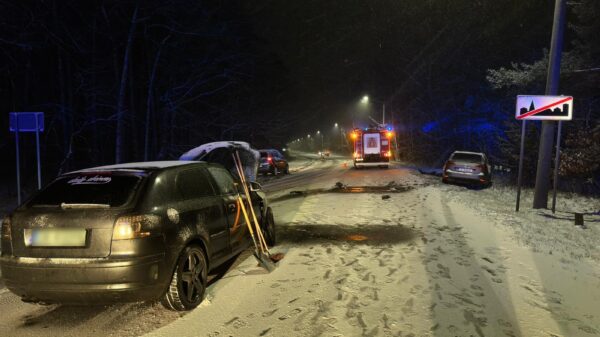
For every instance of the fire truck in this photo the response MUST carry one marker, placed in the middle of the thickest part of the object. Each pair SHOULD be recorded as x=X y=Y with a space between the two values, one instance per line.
x=372 y=147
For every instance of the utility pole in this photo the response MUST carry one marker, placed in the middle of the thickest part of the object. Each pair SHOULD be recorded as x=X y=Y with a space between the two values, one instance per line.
x=542 y=178
x=383 y=117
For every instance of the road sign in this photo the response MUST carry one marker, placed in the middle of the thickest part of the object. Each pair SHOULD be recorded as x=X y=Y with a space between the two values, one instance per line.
x=544 y=108
x=26 y=121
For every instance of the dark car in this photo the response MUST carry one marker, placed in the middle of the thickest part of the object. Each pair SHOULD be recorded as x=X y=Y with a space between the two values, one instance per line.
x=272 y=161
x=467 y=167
x=130 y=232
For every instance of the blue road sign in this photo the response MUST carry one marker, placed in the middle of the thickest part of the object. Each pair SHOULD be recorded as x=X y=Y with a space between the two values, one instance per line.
x=26 y=121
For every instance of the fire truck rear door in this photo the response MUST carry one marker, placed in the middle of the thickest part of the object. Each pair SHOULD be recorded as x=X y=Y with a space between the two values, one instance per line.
x=372 y=143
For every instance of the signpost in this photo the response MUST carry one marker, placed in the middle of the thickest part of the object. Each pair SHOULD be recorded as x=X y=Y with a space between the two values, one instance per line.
x=27 y=122
x=542 y=108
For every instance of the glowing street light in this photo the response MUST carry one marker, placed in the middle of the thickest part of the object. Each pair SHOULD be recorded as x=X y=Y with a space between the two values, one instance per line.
x=319 y=133
x=335 y=125
x=365 y=99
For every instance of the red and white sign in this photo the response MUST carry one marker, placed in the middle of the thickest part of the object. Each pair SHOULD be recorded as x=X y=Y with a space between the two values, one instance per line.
x=544 y=108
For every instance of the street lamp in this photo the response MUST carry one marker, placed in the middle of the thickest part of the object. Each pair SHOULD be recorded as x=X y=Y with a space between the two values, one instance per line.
x=319 y=133
x=365 y=100
x=336 y=126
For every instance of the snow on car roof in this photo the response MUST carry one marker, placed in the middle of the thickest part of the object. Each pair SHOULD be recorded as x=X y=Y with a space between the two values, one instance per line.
x=140 y=166
x=205 y=148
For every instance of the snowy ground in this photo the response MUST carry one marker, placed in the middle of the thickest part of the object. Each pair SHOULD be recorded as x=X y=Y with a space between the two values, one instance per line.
x=420 y=259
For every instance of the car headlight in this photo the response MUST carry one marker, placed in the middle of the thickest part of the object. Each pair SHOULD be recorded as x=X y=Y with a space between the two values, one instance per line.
x=135 y=226
x=6 y=228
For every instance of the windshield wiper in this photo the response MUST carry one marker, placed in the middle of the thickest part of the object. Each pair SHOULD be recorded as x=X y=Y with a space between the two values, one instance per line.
x=66 y=206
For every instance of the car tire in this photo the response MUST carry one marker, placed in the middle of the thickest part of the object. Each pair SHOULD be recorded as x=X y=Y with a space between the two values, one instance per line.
x=287 y=169
x=188 y=283
x=268 y=228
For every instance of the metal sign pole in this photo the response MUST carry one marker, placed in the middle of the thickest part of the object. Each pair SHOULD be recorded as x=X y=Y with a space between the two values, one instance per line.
x=556 y=167
x=18 y=160
x=37 y=143
x=520 y=177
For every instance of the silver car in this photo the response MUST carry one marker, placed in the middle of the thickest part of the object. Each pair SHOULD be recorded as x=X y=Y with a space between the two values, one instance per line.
x=467 y=167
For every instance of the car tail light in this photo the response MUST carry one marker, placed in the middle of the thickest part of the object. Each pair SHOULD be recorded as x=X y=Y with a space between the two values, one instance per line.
x=6 y=228
x=269 y=159
x=482 y=167
x=135 y=226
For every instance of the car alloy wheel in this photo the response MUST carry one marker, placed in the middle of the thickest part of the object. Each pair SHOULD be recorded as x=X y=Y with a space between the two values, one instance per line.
x=188 y=283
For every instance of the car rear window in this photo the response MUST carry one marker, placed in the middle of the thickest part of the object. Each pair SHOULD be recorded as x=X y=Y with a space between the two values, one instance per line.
x=88 y=188
x=467 y=157
x=264 y=154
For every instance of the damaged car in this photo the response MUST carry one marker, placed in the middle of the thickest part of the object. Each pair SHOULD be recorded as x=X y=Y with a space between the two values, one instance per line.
x=128 y=232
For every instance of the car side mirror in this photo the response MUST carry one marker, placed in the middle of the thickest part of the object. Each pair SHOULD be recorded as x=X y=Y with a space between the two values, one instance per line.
x=254 y=186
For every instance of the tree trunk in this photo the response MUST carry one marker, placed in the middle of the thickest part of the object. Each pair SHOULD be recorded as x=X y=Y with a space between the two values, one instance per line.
x=119 y=137
x=150 y=100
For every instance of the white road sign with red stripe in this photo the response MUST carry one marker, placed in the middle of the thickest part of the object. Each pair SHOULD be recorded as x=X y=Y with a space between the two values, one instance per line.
x=552 y=108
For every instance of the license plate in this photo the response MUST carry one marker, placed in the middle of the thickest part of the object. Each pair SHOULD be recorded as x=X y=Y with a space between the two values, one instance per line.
x=462 y=169
x=55 y=237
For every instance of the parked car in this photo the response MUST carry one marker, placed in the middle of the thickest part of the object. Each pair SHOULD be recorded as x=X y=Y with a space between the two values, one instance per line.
x=272 y=161
x=128 y=232
x=324 y=154
x=467 y=167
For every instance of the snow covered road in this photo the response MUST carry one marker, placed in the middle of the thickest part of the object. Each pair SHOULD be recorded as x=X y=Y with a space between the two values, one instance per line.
x=415 y=258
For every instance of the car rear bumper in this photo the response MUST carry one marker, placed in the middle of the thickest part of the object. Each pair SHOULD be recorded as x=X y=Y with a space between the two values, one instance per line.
x=363 y=164
x=455 y=176
x=90 y=280
x=265 y=169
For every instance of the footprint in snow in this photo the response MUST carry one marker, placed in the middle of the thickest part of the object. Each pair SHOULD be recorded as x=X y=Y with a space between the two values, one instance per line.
x=269 y=313
x=290 y=314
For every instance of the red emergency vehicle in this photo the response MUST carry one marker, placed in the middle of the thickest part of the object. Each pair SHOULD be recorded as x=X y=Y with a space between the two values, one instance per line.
x=372 y=147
